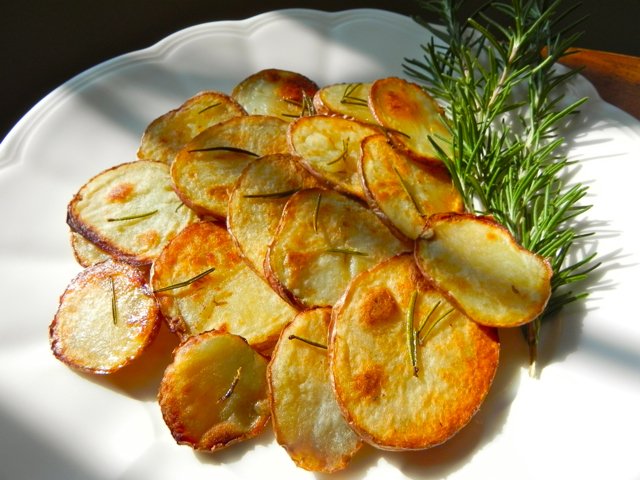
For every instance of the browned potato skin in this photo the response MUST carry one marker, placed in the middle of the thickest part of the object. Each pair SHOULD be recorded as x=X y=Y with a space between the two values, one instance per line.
x=489 y=221
x=184 y=401
x=64 y=324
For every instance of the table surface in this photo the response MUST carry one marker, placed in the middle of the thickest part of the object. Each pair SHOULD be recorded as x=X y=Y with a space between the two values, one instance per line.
x=44 y=43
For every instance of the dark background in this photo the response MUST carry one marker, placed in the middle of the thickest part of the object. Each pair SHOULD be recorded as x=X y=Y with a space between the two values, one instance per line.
x=43 y=43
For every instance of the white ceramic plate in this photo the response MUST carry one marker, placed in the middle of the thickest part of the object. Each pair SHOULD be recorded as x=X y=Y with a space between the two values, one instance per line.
x=578 y=420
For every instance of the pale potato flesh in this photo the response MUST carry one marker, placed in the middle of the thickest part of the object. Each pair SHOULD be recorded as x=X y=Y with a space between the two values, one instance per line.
x=214 y=393
x=106 y=318
x=478 y=263
x=323 y=240
x=231 y=298
x=411 y=116
x=391 y=398
x=257 y=201
x=403 y=191
x=349 y=100
x=130 y=210
x=280 y=93
x=330 y=148
x=167 y=134
x=207 y=167
x=306 y=418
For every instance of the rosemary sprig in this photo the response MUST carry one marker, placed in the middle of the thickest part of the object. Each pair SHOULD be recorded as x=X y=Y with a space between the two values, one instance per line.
x=349 y=97
x=306 y=106
x=505 y=107
x=343 y=153
x=132 y=217
x=307 y=341
x=224 y=149
x=232 y=387
x=114 y=302
x=186 y=282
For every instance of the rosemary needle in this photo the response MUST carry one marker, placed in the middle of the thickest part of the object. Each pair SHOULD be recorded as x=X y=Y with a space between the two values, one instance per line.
x=114 y=302
x=411 y=333
x=186 y=282
x=307 y=341
x=132 y=217
x=232 y=387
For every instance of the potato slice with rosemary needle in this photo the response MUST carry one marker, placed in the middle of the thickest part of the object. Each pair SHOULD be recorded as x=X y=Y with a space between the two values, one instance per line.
x=330 y=149
x=257 y=201
x=480 y=266
x=106 y=318
x=202 y=283
x=409 y=370
x=207 y=167
x=130 y=211
x=411 y=117
x=404 y=192
x=306 y=419
x=280 y=93
x=167 y=134
x=323 y=240
x=349 y=100
x=214 y=393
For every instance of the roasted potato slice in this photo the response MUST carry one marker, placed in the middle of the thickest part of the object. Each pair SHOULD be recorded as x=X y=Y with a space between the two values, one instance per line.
x=306 y=418
x=167 y=134
x=202 y=283
x=214 y=393
x=330 y=149
x=323 y=240
x=106 y=318
x=280 y=93
x=349 y=100
x=411 y=116
x=85 y=252
x=209 y=165
x=478 y=263
x=404 y=192
x=257 y=201
x=408 y=369
x=130 y=211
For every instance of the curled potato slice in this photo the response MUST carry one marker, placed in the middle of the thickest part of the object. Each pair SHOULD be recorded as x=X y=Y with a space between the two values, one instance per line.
x=405 y=193
x=85 y=252
x=207 y=167
x=306 y=419
x=408 y=369
x=280 y=93
x=329 y=147
x=202 y=283
x=411 y=116
x=130 y=211
x=214 y=393
x=106 y=318
x=349 y=100
x=323 y=240
x=257 y=201
x=167 y=134
x=478 y=263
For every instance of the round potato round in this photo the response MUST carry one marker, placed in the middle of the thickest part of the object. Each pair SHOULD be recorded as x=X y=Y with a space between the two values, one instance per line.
x=408 y=369
x=306 y=418
x=106 y=318
x=214 y=393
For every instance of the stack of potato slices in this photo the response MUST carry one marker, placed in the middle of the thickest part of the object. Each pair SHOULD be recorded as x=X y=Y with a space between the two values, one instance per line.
x=312 y=256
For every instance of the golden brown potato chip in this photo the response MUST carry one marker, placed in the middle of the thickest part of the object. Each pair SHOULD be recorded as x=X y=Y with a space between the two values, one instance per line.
x=106 y=318
x=411 y=116
x=207 y=167
x=130 y=211
x=306 y=418
x=478 y=263
x=404 y=193
x=408 y=369
x=280 y=93
x=214 y=393
x=202 y=283
x=167 y=134
x=330 y=149
x=349 y=100
x=257 y=201
x=323 y=240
